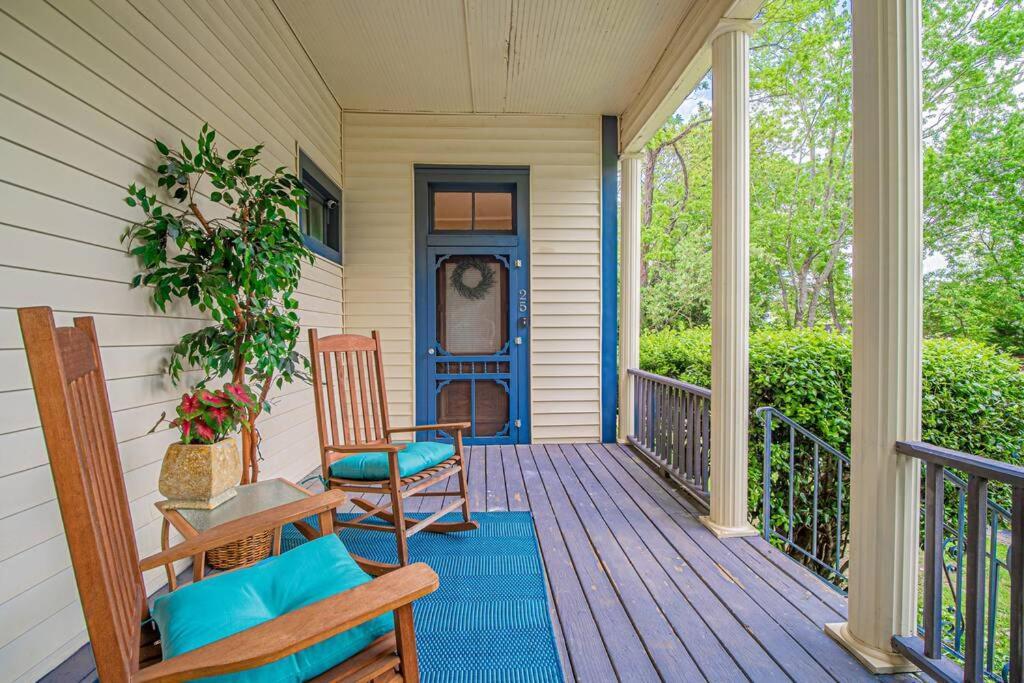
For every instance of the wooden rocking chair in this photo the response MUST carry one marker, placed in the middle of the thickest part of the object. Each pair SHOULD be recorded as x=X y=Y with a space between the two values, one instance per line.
x=358 y=453
x=67 y=375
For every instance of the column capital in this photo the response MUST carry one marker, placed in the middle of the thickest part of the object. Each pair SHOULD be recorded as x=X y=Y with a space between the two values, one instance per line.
x=625 y=156
x=727 y=25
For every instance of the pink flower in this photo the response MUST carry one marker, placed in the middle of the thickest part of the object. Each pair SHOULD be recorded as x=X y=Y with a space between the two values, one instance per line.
x=186 y=430
x=239 y=393
x=205 y=433
x=189 y=404
x=211 y=399
x=218 y=415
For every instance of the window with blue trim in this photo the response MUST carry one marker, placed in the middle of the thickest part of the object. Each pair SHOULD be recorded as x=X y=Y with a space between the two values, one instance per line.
x=473 y=207
x=320 y=221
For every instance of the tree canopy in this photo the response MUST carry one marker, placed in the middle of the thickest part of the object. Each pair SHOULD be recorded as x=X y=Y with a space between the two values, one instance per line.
x=801 y=176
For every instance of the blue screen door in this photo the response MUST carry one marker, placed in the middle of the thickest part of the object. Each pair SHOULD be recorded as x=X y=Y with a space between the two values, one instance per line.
x=473 y=305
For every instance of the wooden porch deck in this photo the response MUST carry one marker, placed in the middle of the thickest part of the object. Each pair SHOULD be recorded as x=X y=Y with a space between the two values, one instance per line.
x=641 y=591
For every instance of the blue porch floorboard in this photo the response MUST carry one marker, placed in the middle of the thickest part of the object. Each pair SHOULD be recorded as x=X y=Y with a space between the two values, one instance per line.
x=640 y=590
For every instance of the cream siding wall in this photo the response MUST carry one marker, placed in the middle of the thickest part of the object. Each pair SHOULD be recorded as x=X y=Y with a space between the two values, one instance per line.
x=85 y=85
x=564 y=156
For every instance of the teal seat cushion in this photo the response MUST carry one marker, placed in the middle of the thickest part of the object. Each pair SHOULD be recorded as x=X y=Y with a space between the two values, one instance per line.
x=225 y=604
x=414 y=458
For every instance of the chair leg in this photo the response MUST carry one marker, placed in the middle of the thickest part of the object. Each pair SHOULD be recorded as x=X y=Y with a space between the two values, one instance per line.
x=405 y=638
x=396 y=509
x=463 y=479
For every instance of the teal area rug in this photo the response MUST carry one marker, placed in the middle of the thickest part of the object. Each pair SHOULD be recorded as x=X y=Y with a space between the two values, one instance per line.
x=489 y=621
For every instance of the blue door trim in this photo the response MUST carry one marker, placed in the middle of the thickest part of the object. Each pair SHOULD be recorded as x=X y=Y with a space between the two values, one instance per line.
x=609 y=276
x=504 y=245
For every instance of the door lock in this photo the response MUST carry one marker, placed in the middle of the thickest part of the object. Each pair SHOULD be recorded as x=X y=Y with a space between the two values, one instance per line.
x=431 y=351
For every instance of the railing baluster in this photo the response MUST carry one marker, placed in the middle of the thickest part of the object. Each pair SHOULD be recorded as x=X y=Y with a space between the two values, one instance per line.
x=792 y=461
x=839 y=512
x=1016 y=561
x=670 y=428
x=974 y=646
x=766 y=476
x=814 y=507
x=933 y=535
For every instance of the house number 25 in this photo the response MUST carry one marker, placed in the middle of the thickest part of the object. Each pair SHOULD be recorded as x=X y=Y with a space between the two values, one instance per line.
x=523 y=305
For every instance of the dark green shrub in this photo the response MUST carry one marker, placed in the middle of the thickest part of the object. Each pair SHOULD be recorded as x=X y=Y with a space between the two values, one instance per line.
x=973 y=401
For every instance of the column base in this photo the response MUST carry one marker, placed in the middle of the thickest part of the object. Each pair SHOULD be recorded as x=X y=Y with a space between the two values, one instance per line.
x=874 y=660
x=728 y=531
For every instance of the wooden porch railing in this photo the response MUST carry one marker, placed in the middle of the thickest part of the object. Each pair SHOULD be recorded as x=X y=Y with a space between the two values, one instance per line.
x=672 y=428
x=927 y=652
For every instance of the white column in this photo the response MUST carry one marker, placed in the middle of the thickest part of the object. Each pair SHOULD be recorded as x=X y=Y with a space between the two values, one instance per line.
x=730 y=279
x=629 y=283
x=886 y=330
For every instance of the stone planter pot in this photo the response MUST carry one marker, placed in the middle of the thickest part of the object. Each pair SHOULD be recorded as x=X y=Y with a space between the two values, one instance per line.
x=200 y=476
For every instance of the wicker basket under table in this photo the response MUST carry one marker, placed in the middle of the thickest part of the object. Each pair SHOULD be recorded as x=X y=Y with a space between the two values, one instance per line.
x=250 y=499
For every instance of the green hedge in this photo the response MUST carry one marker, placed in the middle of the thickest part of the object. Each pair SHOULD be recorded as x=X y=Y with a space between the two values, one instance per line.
x=973 y=398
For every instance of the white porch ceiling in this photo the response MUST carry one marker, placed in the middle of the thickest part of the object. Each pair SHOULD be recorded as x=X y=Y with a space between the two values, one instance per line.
x=490 y=56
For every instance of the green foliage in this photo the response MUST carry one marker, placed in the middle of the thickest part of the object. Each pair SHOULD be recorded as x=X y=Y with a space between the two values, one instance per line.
x=801 y=177
x=972 y=399
x=238 y=259
x=974 y=166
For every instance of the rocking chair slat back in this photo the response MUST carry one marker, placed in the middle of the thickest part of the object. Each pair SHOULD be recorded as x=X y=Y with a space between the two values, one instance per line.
x=349 y=369
x=67 y=375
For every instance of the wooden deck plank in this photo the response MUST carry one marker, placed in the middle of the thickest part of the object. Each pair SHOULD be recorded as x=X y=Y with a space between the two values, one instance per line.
x=804 y=590
x=716 y=567
x=477 y=476
x=497 y=497
x=666 y=650
x=713 y=613
x=624 y=645
x=514 y=486
x=584 y=643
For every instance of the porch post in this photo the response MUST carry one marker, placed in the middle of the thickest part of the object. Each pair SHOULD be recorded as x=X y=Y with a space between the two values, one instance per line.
x=629 y=284
x=884 y=505
x=730 y=279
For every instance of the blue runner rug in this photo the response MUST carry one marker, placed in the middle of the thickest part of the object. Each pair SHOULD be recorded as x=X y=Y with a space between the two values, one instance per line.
x=489 y=621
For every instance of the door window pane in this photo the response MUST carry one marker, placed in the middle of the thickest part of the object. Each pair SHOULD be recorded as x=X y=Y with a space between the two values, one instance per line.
x=472 y=315
x=453 y=210
x=492 y=211
x=491 y=408
x=465 y=211
x=453 y=402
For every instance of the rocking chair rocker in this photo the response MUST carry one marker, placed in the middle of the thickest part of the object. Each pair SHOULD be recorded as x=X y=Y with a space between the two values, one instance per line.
x=331 y=624
x=360 y=457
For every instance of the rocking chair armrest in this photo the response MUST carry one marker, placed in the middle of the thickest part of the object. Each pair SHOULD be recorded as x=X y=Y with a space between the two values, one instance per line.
x=447 y=426
x=297 y=630
x=366 y=448
x=244 y=527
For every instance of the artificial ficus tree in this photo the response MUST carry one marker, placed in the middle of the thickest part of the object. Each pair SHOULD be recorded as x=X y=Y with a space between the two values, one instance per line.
x=237 y=259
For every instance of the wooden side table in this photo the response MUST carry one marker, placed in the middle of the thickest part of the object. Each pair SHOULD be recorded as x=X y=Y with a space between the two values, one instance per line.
x=251 y=499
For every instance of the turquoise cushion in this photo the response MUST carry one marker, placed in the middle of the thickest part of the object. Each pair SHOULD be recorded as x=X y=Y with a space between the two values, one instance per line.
x=415 y=457
x=224 y=604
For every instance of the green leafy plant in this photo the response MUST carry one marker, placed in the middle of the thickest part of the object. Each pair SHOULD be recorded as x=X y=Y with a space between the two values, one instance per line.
x=225 y=242
x=972 y=401
x=210 y=416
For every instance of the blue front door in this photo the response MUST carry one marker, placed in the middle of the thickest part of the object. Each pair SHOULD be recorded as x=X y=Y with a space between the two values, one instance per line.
x=472 y=293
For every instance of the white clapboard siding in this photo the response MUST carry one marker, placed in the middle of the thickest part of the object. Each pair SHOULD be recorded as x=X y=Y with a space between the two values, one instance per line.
x=563 y=153
x=87 y=85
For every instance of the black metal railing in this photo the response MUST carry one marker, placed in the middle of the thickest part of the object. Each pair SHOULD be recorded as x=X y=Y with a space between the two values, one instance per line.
x=977 y=561
x=815 y=536
x=796 y=461
x=672 y=428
